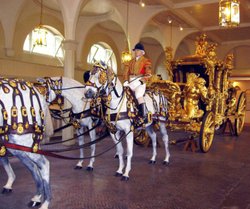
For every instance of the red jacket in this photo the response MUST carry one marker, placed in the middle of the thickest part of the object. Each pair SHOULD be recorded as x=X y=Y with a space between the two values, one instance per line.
x=142 y=66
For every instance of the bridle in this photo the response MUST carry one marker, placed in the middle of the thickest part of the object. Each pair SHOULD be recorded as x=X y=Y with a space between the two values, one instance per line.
x=56 y=86
x=107 y=80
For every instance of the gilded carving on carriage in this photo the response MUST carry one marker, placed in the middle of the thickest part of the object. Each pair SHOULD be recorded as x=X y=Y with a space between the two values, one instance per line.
x=201 y=99
x=194 y=90
x=169 y=59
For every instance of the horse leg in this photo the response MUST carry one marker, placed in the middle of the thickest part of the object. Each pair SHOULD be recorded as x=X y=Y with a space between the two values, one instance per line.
x=80 y=143
x=119 y=152
x=32 y=167
x=164 y=133
x=130 y=143
x=7 y=188
x=43 y=166
x=92 y=135
x=152 y=136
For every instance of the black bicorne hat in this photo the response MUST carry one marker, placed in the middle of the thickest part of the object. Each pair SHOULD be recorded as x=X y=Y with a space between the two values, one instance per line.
x=138 y=46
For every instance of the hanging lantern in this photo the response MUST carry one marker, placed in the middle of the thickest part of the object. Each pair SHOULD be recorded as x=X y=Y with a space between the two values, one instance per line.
x=39 y=33
x=126 y=56
x=39 y=36
x=229 y=13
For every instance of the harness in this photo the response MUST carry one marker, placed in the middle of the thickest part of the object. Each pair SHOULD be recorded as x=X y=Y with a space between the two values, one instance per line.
x=132 y=110
x=56 y=86
x=107 y=80
x=19 y=123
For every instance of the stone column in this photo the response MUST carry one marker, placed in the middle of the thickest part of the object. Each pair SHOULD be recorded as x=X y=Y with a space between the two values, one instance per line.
x=9 y=52
x=69 y=68
x=69 y=59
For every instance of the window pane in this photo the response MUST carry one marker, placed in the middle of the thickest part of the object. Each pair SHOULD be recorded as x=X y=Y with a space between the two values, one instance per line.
x=51 y=45
x=100 y=53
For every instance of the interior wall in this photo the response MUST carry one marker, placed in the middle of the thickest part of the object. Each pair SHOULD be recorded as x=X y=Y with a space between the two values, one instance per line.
x=1 y=40
x=26 y=70
x=241 y=58
x=160 y=67
x=112 y=38
x=24 y=64
x=153 y=52
x=183 y=50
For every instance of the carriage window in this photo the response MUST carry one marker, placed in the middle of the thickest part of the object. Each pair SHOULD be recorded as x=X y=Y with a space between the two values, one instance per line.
x=102 y=52
x=50 y=46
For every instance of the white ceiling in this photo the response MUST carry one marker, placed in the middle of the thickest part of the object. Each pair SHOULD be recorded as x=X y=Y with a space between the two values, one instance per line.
x=201 y=15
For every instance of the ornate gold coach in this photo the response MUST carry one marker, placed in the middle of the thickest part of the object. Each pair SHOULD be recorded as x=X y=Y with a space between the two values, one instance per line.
x=201 y=98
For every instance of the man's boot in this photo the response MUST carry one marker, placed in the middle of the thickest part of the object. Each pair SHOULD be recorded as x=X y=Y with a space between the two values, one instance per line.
x=143 y=112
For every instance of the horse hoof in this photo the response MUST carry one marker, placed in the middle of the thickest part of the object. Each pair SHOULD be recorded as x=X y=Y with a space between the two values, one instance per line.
x=6 y=191
x=78 y=167
x=33 y=204
x=118 y=174
x=89 y=168
x=152 y=162
x=124 y=178
x=166 y=163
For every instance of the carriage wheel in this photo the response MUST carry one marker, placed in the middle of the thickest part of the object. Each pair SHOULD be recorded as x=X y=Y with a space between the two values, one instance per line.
x=207 y=132
x=240 y=114
x=141 y=137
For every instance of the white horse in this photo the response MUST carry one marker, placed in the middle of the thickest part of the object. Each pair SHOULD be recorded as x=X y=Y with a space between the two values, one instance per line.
x=74 y=92
x=121 y=114
x=23 y=116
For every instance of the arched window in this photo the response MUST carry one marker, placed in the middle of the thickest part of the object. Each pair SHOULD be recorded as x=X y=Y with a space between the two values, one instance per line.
x=51 y=46
x=102 y=52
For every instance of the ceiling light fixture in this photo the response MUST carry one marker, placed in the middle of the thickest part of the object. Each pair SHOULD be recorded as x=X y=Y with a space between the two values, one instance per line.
x=170 y=21
x=39 y=33
x=229 y=13
x=126 y=54
x=142 y=4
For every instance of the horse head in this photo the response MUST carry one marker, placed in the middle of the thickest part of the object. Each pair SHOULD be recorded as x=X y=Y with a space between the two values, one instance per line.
x=98 y=81
x=52 y=89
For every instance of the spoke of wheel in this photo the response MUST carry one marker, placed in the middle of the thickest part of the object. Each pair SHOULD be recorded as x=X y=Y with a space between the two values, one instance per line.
x=241 y=113
x=207 y=141
x=242 y=105
x=209 y=125
x=208 y=132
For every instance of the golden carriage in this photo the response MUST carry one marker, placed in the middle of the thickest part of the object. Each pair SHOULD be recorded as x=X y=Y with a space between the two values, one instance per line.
x=201 y=98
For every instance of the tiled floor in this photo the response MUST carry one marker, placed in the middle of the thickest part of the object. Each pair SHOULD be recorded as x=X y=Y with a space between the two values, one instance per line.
x=219 y=179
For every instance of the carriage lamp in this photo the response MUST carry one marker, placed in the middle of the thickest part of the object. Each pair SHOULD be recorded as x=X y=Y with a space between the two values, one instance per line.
x=229 y=13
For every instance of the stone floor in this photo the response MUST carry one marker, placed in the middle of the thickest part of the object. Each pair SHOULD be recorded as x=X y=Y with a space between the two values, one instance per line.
x=219 y=179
